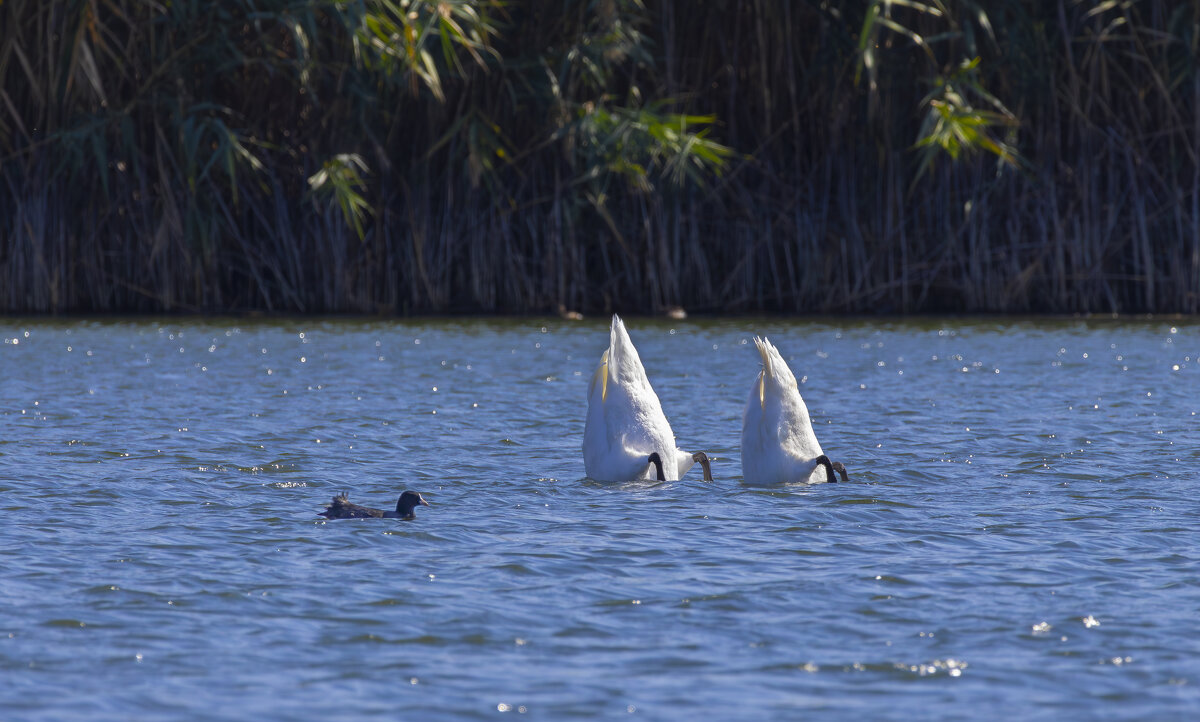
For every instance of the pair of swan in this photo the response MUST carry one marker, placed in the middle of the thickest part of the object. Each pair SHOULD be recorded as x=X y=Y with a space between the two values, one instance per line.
x=627 y=436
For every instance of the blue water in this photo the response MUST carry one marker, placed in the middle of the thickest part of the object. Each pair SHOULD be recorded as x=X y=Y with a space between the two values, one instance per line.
x=1019 y=536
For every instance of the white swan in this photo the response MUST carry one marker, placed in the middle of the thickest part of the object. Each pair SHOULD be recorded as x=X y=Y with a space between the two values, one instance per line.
x=627 y=436
x=778 y=443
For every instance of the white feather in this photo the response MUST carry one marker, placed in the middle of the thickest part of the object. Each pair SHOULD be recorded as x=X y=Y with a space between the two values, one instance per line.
x=625 y=421
x=778 y=443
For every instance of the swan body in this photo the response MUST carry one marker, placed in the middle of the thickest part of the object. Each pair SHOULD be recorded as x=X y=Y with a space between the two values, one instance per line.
x=625 y=421
x=778 y=443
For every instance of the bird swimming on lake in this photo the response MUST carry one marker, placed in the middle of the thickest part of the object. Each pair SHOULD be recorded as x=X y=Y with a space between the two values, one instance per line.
x=627 y=436
x=341 y=508
x=778 y=443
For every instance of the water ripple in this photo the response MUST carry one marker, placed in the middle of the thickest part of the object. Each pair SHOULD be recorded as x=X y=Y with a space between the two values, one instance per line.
x=1018 y=531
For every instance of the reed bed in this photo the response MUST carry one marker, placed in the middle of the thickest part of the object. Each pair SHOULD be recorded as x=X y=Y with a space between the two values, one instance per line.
x=421 y=156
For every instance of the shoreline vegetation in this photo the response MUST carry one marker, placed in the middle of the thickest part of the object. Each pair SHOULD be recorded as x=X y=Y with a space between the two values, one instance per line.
x=480 y=157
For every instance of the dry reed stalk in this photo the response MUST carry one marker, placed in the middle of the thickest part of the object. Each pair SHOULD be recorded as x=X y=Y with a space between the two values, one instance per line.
x=827 y=211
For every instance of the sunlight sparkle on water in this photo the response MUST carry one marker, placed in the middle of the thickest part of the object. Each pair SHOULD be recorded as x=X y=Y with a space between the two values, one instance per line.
x=148 y=502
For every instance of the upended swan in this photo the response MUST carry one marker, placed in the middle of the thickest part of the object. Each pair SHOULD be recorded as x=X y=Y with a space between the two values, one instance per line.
x=342 y=508
x=778 y=443
x=627 y=436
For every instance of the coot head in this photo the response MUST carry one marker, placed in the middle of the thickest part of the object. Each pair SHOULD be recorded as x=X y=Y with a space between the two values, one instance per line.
x=408 y=501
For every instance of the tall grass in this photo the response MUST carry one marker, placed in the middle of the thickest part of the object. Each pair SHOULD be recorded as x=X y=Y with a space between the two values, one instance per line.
x=405 y=156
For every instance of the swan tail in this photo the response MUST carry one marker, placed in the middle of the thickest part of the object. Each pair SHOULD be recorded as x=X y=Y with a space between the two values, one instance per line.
x=768 y=354
x=600 y=377
x=764 y=350
x=624 y=364
x=774 y=367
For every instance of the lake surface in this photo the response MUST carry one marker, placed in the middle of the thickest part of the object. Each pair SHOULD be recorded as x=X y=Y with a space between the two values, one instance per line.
x=1020 y=535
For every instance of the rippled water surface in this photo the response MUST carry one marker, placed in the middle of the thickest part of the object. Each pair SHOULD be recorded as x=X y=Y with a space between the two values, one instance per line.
x=1019 y=536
